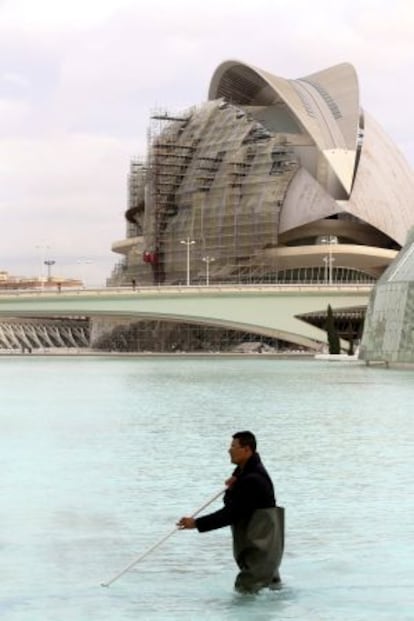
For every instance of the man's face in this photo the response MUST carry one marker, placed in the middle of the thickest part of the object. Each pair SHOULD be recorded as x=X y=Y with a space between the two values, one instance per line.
x=239 y=454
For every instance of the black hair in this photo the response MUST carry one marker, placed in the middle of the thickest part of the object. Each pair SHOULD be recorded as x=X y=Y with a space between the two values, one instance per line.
x=246 y=438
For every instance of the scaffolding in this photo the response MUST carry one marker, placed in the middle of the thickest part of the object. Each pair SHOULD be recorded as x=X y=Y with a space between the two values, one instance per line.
x=168 y=158
x=136 y=197
x=205 y=208
x=213 y=175
x=213 y=185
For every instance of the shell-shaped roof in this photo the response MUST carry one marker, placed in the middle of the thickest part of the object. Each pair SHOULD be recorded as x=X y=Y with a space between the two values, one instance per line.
x=383 y=191
x=325 y=104
x=305 y=202
x=353 y=150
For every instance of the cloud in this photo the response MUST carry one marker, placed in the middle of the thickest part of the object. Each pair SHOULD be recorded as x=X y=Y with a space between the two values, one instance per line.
x=47 y=15
x=13 y=114
x=15 y=79
x=68 y=192
x=79 y=79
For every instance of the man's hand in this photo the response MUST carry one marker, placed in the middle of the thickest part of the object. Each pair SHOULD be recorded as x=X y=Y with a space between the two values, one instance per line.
x=231 y=481
x=186 y=522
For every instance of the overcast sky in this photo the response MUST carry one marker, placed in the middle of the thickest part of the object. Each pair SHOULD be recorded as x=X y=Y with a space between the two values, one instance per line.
x=80 y=78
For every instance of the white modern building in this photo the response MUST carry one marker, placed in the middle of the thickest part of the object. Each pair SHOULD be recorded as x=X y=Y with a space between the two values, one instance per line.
x=389 y=324
x=270 y=180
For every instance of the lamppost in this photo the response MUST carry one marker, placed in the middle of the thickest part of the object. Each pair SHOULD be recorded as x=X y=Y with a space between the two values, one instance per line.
x=49 y=263
x=82 y=262
x=329 y=240
x=207 y=261
x=188 y=243
x=43 y=248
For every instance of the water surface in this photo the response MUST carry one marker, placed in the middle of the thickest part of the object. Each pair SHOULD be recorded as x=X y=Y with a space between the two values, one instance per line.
x=100 y=456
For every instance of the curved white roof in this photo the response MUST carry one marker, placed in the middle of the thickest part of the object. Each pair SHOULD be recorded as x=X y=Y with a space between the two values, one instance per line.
x=377 y=182
x=383 y=191
x=325 y=104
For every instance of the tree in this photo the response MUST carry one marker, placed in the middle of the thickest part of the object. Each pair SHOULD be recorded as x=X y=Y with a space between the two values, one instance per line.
x=333 y=338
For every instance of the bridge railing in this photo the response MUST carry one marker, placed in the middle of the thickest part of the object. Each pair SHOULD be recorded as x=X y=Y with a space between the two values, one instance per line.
x=187 y=289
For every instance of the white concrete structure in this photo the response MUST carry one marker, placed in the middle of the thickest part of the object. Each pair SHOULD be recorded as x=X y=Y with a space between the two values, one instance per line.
x=260 y=177
x=271 y=310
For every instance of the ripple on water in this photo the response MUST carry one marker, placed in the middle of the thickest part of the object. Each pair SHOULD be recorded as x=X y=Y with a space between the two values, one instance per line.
x=99 y=457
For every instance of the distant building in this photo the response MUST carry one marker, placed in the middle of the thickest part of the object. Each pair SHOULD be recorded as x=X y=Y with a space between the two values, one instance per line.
x=8 y=281
x=271 y=180
x=389 y=324
x=27 y=334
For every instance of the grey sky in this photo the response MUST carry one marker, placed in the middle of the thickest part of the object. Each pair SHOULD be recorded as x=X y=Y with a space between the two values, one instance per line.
x=79 y=78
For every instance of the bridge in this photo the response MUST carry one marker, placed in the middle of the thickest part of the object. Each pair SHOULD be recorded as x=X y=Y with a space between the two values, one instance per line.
x=268 y=310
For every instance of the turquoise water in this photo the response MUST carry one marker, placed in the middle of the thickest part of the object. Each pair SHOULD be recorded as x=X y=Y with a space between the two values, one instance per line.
x=100 y=456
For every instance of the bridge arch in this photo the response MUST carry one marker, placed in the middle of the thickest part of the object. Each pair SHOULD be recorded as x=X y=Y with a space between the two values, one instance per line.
x=268 y=310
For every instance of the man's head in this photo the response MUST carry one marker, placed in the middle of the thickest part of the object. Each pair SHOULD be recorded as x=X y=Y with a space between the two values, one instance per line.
x=243 y=446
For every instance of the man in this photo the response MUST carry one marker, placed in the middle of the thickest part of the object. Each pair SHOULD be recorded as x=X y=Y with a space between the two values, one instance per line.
x=250 y=509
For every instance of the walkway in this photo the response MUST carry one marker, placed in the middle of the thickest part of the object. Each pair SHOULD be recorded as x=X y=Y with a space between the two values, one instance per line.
x=269 y=310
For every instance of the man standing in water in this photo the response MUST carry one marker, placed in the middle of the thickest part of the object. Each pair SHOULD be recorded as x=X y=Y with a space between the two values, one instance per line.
x=250 y=509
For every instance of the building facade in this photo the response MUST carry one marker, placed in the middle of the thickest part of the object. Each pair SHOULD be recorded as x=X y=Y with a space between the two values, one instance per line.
x=270 y=180
x=389 y=324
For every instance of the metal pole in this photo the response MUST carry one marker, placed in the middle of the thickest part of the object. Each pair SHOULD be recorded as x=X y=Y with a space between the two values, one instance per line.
x=159 y=542
x=82 y=262
x=188 y=262
x=207 y=261
x=43 y=251
x=188 y=242
x=49 y=263
x=326 y=270
x=332 y=240
x=330 y=262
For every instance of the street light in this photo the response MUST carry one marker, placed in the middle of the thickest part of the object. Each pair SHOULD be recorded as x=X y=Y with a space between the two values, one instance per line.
x=49 y=263
x=188 y=242
x=43 y=248
x=207 y=261
x=329 y=240
x=81 y=262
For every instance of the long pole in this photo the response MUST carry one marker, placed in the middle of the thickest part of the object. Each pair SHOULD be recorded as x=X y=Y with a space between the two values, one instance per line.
x=49 y=263
x=207 y=261
x=188 y=242
x=82 y=262
x=43 y=248
x=330 y=261
x=188 y=262
x=159 y=542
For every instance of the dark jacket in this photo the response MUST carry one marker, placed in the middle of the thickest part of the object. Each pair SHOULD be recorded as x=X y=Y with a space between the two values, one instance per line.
x=252 y=490
x=256 y=524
